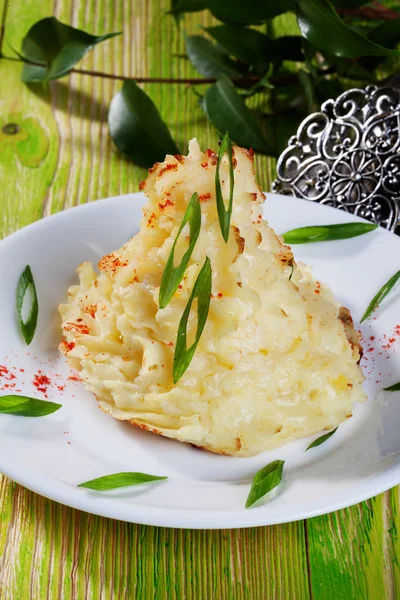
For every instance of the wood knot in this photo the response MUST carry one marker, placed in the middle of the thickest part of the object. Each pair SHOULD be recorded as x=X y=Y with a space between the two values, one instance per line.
x=11 y=129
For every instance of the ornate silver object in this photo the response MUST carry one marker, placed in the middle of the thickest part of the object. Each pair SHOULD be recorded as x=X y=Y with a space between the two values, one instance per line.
x=348 y=156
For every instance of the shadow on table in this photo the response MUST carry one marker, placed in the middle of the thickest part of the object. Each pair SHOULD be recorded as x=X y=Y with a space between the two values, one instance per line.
x=65 y=97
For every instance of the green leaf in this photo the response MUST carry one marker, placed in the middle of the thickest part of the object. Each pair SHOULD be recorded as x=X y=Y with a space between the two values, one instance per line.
x=56 y=47
x=326 y=233
x=321 y=439
x=36 y=71
x=327 y=88
x=388 y=33
x=264 y=481
x=280 y=128
x=23 y=406
x=349 y=69
x=179 y=7
x=227 y=112
x=288 y=47
x=201 y=291
x=255 y=48
x=393 y=388
x=224 y=215
x=182 y=6
x=256 y=11
x=136 y=127
x=357 y=73
x=208 y=59
x=393 y=80
x=187 y=6
x=321 y=25
x=287 y=94
x=379 y=296
x=248 y=45
x=310 y=52
x=118 y=480
x=27 y=327
x=261 y=85
x=172 y=276
x=308 y=84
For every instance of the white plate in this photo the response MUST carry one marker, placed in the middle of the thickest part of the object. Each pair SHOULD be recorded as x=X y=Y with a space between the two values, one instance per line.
x=51 y=455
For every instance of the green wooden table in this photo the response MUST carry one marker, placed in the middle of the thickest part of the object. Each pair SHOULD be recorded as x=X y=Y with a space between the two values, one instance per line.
x=63 y=156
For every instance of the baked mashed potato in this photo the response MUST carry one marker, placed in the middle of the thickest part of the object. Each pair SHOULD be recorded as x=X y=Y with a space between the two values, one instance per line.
x=278 y=358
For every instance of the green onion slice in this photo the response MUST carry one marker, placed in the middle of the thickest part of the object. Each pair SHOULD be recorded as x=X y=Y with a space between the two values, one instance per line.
x=23 y=406
x=264 y=481
x=172 y=276
x=27 y=327
x=321 y=439
x=118 y=480
x=326 y=233
x=224 y=215
x=379 y=296
x=201 y=291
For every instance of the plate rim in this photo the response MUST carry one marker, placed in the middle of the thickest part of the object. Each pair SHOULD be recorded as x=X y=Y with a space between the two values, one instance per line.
x=79 y=499
x=177 y=518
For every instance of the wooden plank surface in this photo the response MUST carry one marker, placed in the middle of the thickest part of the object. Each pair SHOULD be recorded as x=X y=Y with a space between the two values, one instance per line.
x=73 y=159
x=51 y=551
x=146 y=48
x=353 y=553
x=63 y=156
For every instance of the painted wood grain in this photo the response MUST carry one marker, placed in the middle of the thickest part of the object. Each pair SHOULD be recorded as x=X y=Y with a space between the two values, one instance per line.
x=354 y=553
x=146 y=48
x=50 y=551
x=62 y=156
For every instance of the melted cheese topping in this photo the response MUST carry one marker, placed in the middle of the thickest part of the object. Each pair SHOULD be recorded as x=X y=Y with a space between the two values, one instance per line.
x=273 y=363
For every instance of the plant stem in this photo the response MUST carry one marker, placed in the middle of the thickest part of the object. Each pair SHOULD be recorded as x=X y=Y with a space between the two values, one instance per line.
x=377 y=12
x=243 y=82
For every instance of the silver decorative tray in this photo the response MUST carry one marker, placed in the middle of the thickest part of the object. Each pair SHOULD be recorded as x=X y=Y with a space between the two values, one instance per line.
x=348 y=156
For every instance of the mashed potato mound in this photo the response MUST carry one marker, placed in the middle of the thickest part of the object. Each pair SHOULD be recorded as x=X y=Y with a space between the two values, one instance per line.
x=278 y=358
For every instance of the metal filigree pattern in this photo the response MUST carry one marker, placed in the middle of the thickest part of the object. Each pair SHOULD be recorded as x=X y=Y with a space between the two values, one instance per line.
x=348 y=156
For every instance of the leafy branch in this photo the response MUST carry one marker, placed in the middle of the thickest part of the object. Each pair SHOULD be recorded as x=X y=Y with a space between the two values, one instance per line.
x=338 y=44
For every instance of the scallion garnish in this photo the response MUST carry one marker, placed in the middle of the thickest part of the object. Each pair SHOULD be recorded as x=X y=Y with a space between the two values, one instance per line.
x=321 y=439
x=118 y=480
x=264 y=481
x=326 y=233
x=224 y=215
x=23 y=406
x=393 y=388
x=27 y=327
x=379 y=296
x=201 y=291
x=172 y=276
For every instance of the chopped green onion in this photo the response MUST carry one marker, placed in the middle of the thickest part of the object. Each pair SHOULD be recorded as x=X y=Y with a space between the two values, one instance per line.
x=118 y=480
x=23 y=406
x=264 y=481
x=326 y=233
x=224 y=215
x=201 y=291
x=393 y=388
x=27 y=327
x=321 y=439
x=172 y=276
x=379 y=296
